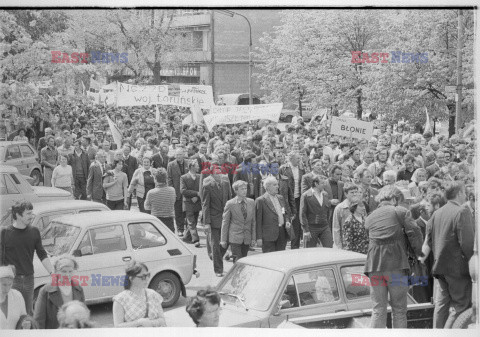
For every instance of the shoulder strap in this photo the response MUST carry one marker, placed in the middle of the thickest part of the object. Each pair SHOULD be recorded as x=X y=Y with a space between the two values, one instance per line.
x=146 y=298
x=3 y=234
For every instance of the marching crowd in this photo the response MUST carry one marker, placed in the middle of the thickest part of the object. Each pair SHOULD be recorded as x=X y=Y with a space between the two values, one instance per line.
x=404 y=197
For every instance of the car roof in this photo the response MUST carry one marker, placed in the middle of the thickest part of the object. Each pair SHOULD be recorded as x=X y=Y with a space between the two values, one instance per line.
x=288 y=260
x=11 y=142
x=8 y=169
x=48 y=206
x=103 y=218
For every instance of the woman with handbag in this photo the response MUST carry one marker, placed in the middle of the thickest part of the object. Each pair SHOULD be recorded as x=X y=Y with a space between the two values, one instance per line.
x=137 y=306
x=389 y=228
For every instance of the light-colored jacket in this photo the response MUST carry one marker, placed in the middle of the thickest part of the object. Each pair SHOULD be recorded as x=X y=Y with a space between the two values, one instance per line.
x=138 y=182
x=16 y=308
x=236 y=228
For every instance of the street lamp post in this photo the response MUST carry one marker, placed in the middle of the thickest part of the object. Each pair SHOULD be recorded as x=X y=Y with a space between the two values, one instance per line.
x=250 y=63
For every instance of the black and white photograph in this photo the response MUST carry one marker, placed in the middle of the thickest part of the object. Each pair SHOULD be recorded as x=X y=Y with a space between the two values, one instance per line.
x=230 y=165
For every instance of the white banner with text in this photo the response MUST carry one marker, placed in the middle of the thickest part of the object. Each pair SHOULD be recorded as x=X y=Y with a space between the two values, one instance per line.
x=351 y=127
x=233 y=114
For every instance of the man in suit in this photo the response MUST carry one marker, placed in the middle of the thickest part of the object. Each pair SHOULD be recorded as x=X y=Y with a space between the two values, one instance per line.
x=80 y=164
x=89 y=148
x=216 y=192
x=307 y=179
x=190 y=189
x=439 y=163
x=334 y=188
x=160 y=159
x=176 y=169
x=272 y=218
x=294 y=175
x=238 y=225
x=42 y=142
x=450 y=236
x=95 y=191
x=244 y=173
x=314 y=208
x=130 y=164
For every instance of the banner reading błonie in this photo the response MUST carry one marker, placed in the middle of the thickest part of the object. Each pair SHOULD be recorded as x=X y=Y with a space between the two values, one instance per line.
x=355 y=128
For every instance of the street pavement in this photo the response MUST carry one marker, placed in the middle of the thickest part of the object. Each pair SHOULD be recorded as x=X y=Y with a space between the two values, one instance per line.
x=102 y=313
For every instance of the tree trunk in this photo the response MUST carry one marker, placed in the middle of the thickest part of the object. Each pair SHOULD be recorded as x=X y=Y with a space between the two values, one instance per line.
x=156 y=73
x=359 y=104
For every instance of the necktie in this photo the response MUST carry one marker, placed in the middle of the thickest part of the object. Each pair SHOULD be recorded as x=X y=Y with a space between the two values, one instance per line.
x=244 y=209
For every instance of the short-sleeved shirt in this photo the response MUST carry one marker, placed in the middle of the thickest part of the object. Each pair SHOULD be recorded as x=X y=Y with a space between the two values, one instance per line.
x=135 y=306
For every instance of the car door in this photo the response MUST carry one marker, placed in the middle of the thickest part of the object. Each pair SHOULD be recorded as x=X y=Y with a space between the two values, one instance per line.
x=102 y=255
x=14 y=158
x=29 y=160
x=310 y=292
x=355 y=284
x=148 y=243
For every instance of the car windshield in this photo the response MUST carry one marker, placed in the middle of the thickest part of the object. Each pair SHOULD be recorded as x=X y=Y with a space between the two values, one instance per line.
x=254 y=286
x=58 y=238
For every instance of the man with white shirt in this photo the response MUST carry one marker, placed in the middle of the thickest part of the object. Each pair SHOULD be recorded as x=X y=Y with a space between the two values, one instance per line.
x=333 y=150
x=97 y=169
x=314 y=208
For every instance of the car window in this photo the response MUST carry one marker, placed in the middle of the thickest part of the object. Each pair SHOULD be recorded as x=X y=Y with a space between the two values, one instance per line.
x=290 y=296
x=352 y=277
x=316 y=287
x=10 y=186
x=145 y=235
x=3 y=185
x=27 y=151
x=45 y=220
x=108 y=239
x=13 y=152
x=85 y=246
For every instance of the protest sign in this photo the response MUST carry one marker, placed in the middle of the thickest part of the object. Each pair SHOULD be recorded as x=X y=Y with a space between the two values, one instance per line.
x=233 y=114
x=182 y=95
x=351 y=127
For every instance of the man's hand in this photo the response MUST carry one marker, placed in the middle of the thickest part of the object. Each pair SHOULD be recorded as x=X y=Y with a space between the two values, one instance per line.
x=223 y=244
x=259 y=242
x=422 y=259
x=253 y=243
x=194 y=199
x=288 y=225
x=307 y=236
x=334 y=202
x=126 y=204
x=207 y=228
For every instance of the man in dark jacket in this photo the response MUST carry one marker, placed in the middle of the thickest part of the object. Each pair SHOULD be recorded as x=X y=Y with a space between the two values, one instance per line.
x=450 y=236
x=97 y=169
x=80 y=164
x=130 y=163
x=190 y=189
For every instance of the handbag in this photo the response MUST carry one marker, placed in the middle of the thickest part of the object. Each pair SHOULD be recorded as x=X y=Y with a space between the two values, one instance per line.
x=146 y=298
x=417 y=269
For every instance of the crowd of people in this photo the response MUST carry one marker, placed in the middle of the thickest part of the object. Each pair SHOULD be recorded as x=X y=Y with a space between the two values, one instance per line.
x=384 y=196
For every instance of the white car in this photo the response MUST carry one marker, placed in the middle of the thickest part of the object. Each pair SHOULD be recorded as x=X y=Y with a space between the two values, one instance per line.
x=45 y=211
x=14 y=187
x=105 y=242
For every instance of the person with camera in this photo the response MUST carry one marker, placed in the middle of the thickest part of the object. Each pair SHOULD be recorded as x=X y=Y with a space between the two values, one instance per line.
x=115 y=184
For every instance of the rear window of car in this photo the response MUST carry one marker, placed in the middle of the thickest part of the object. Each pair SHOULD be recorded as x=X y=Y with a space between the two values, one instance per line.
x=13 y=152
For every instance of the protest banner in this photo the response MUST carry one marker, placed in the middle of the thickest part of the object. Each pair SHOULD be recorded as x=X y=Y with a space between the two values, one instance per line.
x=233 y=114
x=351 y=127
x=182 y=95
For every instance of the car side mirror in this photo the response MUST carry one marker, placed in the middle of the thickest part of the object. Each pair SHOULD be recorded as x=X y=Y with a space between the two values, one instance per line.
x=77 y=253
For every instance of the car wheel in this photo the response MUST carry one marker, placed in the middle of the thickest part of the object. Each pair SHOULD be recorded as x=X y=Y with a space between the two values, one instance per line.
x=37 y=177
x=168 y=285
x=288 y=119
x=464 y=319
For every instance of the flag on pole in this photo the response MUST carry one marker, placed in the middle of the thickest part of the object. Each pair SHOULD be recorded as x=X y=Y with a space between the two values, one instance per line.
x=116 y=133
x=427 y=123
x=324 y=118
x=83 y=88
x=157 y=114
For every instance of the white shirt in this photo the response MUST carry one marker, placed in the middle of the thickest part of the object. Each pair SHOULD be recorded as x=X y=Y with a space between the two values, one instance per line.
x=319 y=196
x=193 y=175
x=296 y=177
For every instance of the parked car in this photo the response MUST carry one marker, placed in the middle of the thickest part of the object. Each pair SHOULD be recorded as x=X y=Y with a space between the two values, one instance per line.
x=238 y=99
x=14 y=187
x=106 y=242
x=46 y=211
x=23 y=156
x=262 y=291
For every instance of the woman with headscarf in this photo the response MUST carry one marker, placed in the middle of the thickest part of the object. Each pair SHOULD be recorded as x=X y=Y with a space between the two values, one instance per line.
x=63 y=288
x=12 y=304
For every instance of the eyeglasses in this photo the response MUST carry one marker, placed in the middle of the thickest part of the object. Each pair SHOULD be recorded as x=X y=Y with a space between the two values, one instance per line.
x=143 y=277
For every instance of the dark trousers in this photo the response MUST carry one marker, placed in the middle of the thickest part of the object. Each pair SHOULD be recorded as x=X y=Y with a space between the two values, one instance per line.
x=239 y=250
x=115 y=205
x=141 y=205
x=297 y=227
x=179 y=215
x=24 y=284
x=324 y=235
x=217 y=250
x=453 y=296
x=279 y=244
x=168 y=222
x=192 y=220
x=80 y=188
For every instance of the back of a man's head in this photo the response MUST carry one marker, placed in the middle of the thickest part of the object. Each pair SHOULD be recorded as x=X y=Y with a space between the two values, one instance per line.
x=453 y=188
